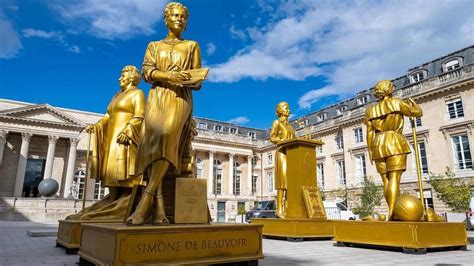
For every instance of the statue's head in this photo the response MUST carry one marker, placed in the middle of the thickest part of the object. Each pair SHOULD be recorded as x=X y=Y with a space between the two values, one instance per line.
x=130 y=74
x=383 y=88
x=176 y=16
x=283 y=109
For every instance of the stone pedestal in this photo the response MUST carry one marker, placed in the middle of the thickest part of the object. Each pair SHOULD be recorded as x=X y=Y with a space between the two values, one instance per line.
x=411 y=237
x=69 y=234
x=118 y=244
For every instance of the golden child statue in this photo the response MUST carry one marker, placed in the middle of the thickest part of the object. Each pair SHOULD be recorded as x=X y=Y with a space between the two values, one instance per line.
x=281 y=130
x=388 y=148
x=165 y=148
x=116 y=136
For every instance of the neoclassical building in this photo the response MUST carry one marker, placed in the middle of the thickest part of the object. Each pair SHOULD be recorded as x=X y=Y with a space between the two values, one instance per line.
x=39 y=141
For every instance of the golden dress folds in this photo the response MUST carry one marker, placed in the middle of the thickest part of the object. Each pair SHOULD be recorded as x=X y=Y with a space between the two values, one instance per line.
x=281 y=131
x=114 y=163
x=168 y=115
x=387 y=123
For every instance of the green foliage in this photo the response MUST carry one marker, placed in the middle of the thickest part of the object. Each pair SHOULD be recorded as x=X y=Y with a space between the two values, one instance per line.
x=454 y=192
x=241 y=209
x=370 y=197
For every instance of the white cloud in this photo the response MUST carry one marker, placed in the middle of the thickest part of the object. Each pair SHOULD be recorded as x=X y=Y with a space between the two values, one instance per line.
x=210 y=48
x=352 y=43
x=239 y=120
x=10 y=44
x=119 y=19
x=51 y=35
x=236 y=33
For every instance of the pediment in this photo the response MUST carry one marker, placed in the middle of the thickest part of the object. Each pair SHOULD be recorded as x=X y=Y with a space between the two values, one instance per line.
x=43 y=113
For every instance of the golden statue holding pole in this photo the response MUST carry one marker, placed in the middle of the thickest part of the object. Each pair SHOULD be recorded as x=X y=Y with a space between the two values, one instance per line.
x=115 y=140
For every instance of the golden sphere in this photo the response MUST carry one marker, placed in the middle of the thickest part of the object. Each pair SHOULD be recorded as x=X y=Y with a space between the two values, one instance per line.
x=382 y=217
x=408 y=208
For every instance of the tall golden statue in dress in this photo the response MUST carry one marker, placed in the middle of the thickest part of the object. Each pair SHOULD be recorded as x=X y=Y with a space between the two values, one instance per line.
x=116 y=137
x=388 y=148
x=170 y=65
x=281 y=130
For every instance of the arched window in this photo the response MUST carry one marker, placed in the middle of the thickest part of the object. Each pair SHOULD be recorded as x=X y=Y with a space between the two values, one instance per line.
x=341 y=109
x=417 y=76
x=236 y=178
x=217 y=177
x=199 y=165
x=322 y=116
x=362 y=100
x=252 y=134
x=76 y=190
x=233 y=130
x=452 y=64
x=218 y=128
x=202 y=125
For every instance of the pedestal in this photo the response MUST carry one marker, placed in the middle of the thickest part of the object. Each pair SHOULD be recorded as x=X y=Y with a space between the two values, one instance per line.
x=69 y=234
x=296 y=229
x=118 y=244
x=412 y=237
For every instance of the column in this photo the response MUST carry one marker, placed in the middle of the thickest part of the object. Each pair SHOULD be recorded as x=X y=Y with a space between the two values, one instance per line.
x=20 y=172
x=71 y=165
x=48 y=169
x=210 y=179
x=3 y=141
x=231 y=174
x=249 y=174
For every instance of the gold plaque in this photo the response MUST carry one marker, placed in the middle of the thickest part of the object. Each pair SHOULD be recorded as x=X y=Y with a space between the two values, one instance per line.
x=314 y=203
x=191 y=201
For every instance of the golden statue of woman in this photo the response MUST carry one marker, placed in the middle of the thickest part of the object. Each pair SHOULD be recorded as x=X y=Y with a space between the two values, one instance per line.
x=388 y=148
x=281 y=130
x=165 y=145
x=116 y=137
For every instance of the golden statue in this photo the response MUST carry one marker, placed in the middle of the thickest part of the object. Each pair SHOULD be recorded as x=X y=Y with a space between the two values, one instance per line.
x=171 y=66
x=388 y=148
x=116 y=136
x=281 y=130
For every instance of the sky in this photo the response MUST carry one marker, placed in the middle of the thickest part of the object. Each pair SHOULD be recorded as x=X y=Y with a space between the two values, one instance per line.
x=311 y=54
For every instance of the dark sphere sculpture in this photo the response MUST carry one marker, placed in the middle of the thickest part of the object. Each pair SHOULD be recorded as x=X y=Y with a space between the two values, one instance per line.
x=48 y=187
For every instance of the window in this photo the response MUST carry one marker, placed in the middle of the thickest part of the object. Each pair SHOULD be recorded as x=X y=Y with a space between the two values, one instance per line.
x=462 y=152
x=452 y=65
x=418 y=122
x=428 y=198
x=202 y=125
x=270 y=158
x=236 y=179
x=218 y=128
x=339 y=142
x=320 y=175
x=254 y=184
x=418 y=76
x=217 y=177
x=455 y=108
x=322 y=117
x=270 y=181
x=341 y=172
x=361 y=170
x=254 y=161
x=358 y=135
x=77 y=188
x=319 y=149
x=363 y=100
x=252 y=134
x=423 y=159
x=199 y=165
x=99 y=191
x=341 y=109
x=233 y=130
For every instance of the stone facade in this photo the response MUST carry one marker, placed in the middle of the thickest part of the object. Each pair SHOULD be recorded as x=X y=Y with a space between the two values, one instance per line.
x=41 y=141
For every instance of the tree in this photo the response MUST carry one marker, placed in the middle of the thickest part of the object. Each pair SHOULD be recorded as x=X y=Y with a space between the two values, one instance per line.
x=452 y=191
x=370 y=197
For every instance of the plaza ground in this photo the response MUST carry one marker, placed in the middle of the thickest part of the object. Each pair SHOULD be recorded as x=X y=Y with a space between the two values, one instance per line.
x=17 y=248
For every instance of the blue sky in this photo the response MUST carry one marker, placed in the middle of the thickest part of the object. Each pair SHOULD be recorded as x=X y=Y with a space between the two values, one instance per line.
x=309 y=53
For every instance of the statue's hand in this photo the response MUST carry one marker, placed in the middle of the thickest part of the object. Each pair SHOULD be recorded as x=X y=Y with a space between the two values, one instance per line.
x=178 y=76
x=123 y=139
x=89 y=129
